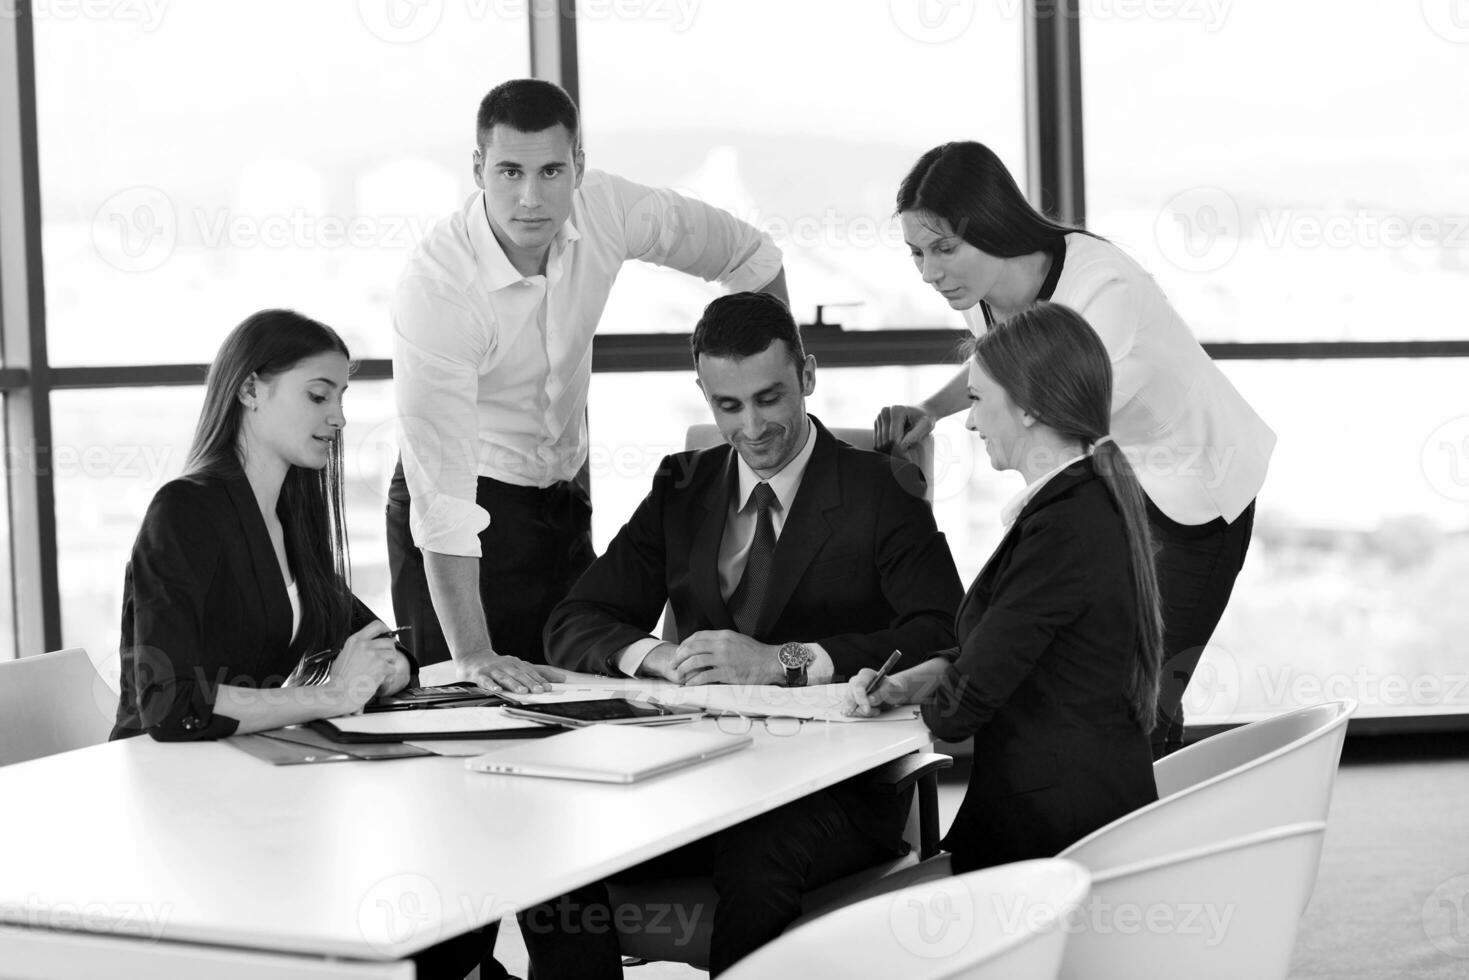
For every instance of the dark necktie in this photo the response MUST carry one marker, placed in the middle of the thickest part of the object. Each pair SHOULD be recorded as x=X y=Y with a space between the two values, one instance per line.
x=749 y=596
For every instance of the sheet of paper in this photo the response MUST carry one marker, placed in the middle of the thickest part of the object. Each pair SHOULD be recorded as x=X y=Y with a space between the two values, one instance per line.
x=821 y=702
x=435 y=720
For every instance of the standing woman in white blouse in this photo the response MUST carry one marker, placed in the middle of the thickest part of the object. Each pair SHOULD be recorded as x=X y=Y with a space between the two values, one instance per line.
x=1199 y=450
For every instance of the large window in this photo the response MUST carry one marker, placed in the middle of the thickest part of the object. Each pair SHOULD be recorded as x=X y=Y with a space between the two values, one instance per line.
x=800 y=118
x=1360 y=548
x=1267 y=209
x=196 y=167
x=202 y=161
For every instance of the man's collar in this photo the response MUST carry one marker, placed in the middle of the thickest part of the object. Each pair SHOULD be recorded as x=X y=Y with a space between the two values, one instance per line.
x=496 y=269
x=785 y=483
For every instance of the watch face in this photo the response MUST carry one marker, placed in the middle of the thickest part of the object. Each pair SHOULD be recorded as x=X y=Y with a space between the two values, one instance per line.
x=795 y=656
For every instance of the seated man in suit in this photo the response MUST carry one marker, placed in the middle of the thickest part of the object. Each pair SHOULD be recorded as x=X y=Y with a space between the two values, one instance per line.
x=787 y=558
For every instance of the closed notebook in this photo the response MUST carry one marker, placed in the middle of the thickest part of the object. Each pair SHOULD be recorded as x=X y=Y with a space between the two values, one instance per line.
x=609 y=753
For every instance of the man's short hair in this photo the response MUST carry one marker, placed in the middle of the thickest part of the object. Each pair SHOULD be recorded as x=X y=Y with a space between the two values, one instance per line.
x=529 y=105
x=744 y=324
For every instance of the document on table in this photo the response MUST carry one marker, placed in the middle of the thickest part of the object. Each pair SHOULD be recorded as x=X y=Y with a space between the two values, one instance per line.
x=821 y=702
x=438 y=721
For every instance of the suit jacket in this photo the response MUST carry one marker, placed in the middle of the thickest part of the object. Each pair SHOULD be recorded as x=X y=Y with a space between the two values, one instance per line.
x=860 y=567
x=1047 y=636
x=204 y=604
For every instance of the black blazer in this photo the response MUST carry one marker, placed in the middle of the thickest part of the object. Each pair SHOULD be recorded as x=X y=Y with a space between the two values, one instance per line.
x=1046 y=638
x=860 y=566
x=203 y=604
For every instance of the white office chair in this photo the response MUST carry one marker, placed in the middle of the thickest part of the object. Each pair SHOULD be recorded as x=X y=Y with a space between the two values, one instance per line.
x=1290 y=749
x=1003 y=922
x=1268 y=774
x=1224 y=911
x=52 y=702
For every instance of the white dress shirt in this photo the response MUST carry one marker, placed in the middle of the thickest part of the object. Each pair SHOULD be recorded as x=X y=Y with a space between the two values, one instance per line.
x=1199 y=449
x=492 y=368
x=739 y=538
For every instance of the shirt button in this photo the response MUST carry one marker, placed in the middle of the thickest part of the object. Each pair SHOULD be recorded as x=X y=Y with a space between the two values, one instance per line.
x=191 y=723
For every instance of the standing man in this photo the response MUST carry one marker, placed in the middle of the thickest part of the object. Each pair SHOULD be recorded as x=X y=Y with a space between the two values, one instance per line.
x=488 y=525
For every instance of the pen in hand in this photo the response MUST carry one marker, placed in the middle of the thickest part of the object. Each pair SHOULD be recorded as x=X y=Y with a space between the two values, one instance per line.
x=888 y=665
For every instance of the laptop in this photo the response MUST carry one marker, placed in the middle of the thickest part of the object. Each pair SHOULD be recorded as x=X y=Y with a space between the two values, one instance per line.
x=609 y=753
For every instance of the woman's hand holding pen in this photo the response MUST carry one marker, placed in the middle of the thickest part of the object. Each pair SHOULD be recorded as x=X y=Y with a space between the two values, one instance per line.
x=369 y=663
x=864 y=703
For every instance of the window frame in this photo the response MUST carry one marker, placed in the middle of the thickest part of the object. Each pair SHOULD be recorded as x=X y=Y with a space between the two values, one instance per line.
x=1055 y=166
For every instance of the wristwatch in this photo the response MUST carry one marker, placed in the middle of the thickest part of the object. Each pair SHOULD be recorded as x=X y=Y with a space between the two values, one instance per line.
x=795 y=658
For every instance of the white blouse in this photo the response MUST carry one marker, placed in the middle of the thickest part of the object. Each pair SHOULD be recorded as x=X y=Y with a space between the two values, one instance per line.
x=1199 y=450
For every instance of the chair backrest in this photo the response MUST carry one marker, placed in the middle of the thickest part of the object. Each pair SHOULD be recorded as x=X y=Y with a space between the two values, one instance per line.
x=1295 y=735
x=1266 y=774
x=705 y=434
x=50 y=703
x=998 y=922
x=1220 y=912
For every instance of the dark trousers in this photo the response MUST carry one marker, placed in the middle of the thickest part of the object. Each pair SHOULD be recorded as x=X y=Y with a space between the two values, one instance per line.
x=1197 y=566
x=761 y=868
x=537 y=545
x=453 y=958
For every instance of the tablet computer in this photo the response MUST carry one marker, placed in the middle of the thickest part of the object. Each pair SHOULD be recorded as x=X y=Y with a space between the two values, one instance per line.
x=604 y=711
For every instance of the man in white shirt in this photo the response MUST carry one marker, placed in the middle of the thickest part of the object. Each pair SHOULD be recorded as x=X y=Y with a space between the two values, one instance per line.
x=488 y=526
x=786 y=557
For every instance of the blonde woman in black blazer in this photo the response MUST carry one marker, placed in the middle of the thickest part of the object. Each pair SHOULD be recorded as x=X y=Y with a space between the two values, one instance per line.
x=239 y=570
x=1060 y=636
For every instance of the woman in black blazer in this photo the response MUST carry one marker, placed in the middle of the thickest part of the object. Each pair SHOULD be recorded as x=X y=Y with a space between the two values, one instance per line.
x=236 y=613
x=1060 y=636
x=238 y=573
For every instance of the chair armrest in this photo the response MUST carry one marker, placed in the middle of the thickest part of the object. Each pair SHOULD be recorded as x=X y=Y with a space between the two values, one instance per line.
x=918 y=769
x=896 y=776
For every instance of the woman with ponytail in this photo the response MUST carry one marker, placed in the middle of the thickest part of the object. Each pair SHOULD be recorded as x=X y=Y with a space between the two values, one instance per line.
x=1202 y=451
x=1060 y=637
x=239 y=573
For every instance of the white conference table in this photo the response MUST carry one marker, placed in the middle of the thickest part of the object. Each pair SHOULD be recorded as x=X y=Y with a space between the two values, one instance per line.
x=176 y=858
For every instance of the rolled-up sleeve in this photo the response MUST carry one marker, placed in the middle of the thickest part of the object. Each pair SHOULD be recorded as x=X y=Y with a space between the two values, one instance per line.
x=669 y=229
x=439 y=343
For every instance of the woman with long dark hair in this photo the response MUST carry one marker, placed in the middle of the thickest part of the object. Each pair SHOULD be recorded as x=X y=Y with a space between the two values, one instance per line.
x=1060 y=637
x=1199 y=450
x=237 y=615
x=238 y=576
